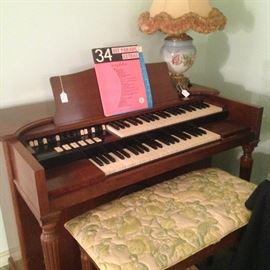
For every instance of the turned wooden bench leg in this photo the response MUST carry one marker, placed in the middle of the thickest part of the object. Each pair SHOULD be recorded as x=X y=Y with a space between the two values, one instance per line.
x=85 y=261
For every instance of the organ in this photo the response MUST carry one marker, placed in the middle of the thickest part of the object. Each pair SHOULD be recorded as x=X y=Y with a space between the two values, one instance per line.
x=76 y=158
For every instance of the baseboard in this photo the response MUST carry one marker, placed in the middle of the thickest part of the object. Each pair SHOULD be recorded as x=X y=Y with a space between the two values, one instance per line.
x=4 y=255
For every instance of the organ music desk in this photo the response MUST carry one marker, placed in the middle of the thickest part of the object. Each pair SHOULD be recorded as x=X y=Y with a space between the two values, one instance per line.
x=75 y=158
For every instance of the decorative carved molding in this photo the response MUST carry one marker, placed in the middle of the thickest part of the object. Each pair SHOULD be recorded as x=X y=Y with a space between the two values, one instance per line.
x=191 y=21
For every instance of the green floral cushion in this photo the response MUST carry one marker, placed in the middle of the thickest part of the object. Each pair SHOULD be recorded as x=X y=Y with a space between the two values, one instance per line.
x=161 y=225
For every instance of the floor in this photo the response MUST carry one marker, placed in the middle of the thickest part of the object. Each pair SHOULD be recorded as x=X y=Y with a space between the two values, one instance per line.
x=219 y=262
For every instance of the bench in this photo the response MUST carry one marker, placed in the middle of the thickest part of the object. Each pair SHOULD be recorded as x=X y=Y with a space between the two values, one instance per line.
x=162 y=225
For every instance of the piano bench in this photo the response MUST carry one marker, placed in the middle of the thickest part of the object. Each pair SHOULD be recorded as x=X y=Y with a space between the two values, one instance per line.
x=162 y=225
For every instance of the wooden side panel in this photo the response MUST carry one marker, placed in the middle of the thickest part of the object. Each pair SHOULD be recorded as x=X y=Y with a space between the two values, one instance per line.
x=242 y=113
x=29 y=177
x=9 y=210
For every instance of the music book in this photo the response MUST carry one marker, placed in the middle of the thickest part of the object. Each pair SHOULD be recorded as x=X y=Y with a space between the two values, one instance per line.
x=122 y=79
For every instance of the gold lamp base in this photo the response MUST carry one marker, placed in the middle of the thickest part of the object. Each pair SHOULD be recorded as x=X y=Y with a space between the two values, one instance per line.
x=180 y=82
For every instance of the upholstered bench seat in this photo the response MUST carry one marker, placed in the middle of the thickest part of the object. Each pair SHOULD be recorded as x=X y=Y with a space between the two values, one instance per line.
x=162 y=225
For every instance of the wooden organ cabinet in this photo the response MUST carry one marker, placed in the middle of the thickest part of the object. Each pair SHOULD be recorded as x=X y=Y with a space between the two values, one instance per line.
x=60 y=164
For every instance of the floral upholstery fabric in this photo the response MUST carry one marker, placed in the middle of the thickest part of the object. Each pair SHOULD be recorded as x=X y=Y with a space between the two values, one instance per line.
x=162 y=225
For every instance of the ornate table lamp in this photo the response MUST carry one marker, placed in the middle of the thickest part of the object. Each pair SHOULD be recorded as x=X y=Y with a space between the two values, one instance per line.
x=175 y=18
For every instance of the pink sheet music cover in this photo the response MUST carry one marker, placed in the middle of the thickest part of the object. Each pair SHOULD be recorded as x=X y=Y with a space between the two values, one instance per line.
x=122 y=79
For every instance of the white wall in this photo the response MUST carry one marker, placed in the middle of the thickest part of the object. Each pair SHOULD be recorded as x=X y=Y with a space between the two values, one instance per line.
x=40 y=39
x=237 y=62
x=46 y=38
x=3 y=242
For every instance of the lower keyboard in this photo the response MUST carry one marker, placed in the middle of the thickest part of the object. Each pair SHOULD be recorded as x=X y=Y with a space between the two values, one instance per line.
x=131 y=153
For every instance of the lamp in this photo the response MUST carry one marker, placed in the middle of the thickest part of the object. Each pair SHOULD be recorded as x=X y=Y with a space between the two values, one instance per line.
x=175 y=18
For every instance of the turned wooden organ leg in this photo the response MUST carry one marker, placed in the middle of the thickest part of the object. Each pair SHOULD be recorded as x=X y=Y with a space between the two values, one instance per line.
x=246 y=161
x=85 y=261
x=50 y=243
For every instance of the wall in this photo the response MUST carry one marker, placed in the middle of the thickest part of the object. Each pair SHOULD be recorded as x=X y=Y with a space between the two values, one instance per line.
x=40 y=39
x=3 y=243
x=46 y=38
x=237 y=62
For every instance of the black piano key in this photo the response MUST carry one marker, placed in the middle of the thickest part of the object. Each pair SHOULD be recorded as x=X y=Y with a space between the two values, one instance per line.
x=131 y=121
x=166 y=113
x=187 y=134
x=138 y=148
x=198 y=131
x=193 y=131
x=144 y=118
x=120 y=124
x=151 y=116
x=108 y=156
x=124 y=123
x=149 y=143
x=172 y=111
x=132 y=150
x=97 y=160
x=103 y=158
x=205 y=104
x=114 y=149
x=118 y=154
x=166 y=137
x=181 y=135
x=186 y=108
x=198 y=105
x=169 y=138
x=202 y=131
x=179 y=110
x=115 y=126
x=160 y=114
x=163 y=140
x=145 y=148
x=158 y=144
x=176 y=140
x=138 y=120
x=124 y=152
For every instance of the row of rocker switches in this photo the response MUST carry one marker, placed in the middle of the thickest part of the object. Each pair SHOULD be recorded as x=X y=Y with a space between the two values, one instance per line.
x=70 y=140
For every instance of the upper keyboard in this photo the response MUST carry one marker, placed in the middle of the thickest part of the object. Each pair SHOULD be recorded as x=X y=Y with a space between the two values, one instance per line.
x=158 y=119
